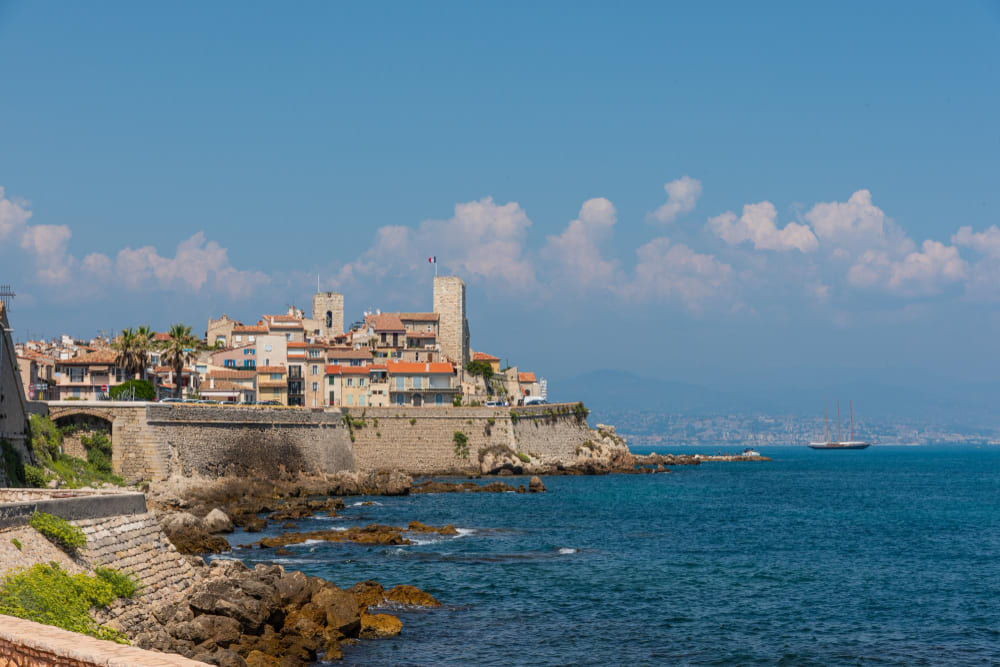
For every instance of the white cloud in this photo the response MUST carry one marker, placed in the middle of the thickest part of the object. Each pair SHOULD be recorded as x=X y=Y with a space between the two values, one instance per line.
x=682 y=195
x=986 y=242
x=855 y=226
x=482 y=240
x=919 y=273
x=667 y=271
x=14 y=215
x=48 y=244
x=757 y=225
x=575 y=255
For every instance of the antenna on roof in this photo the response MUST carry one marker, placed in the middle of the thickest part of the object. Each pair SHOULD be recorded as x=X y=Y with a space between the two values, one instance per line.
x=6 y=296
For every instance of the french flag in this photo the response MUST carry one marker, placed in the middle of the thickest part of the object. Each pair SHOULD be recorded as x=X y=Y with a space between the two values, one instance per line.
x=433 y=260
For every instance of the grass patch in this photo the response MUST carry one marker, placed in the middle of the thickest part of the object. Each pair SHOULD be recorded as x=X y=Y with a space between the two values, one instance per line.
x=413 y=421
x=461 y=445
x=123 y=585
x=524 y=457
x=47 y=594
x=12 y=463
x=59 y=531
x=17 y=543
x=46 y=444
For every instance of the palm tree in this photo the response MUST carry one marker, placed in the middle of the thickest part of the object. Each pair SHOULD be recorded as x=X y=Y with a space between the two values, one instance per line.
x=143 y=342
x=177 y=352
x=125 y=346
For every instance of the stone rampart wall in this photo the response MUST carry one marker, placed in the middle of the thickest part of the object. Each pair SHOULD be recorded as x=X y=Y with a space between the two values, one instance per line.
x=422 y=440
x=74 y=507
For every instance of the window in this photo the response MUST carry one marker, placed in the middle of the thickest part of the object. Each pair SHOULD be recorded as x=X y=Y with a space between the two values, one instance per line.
x=314 y=354
x=329 y=319
x=361 y=401
x=417 y=382
x=399 y=399
x=238 y=339
x=350 y=382
x=361 y=382
x=438 y=399
x=252 y=339
x=350 y=399
x=314 y=370
x=399 y=384
x=315 y=386
x=76 y=392
x=275 y=376
x=288 y=336
x=76 y=374
x=333 y=397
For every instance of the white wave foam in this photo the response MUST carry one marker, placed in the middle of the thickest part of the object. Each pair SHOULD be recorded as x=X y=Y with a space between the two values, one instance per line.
x=362 y=503
x=566 y=551
x=464 y=532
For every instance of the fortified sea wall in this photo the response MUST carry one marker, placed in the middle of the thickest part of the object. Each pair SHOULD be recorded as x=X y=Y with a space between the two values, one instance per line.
x=422 y=440
x=155 y=441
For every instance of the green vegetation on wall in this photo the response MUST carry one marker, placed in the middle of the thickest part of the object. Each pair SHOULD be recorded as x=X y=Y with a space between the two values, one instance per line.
x=59 y=531
x=47 y=594
x=13 y=465
x=143 y=391
x=461 y=445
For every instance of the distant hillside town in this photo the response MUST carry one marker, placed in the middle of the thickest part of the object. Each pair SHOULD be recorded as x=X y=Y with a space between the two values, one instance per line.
x=405 y=358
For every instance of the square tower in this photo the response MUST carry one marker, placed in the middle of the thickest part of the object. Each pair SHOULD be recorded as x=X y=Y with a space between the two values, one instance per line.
x=328 y=311
x=453 y=327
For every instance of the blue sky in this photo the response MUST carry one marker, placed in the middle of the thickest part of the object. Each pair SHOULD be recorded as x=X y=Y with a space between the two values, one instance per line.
x=831 y=172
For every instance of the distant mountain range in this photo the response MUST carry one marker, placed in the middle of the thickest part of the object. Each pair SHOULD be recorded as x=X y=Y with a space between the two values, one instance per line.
x=612 y=391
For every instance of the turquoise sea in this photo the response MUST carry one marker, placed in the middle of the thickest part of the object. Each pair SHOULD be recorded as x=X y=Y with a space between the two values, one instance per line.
x=885 y=556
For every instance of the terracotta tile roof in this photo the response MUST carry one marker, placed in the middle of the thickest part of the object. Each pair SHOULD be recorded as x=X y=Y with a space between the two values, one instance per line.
x=248 y=329
x=271 y=369
x=293 y=345
x=526 y=377
x=160 y=336
x=99 y=358
x=387 y=322
x=418 y=368
x=482 y=356
x=221 y=385
x=284 y=318
x=170 y=369
x=232 y=374
x=419 y=317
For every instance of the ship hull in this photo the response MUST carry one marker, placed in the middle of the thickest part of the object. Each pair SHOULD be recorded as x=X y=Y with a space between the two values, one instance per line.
x=838 y=445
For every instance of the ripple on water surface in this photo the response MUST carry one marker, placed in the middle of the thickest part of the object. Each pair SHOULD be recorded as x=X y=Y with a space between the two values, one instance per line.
x=885 y=556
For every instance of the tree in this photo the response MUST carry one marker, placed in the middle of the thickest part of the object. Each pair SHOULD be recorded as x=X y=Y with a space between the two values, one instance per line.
x=481 y=368
x=124 y=345
x=143 y=343
x=179 y=351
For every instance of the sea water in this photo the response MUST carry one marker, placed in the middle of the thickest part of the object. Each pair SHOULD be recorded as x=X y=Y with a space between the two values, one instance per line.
x=889 y=555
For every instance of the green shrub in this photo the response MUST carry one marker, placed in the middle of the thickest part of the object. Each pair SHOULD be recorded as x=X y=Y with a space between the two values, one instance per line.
x=46 y=438
x=35 y=476
x=16 y=542
x=456 y=402
x=143 y=389
x=74 y=473
x=461 y=445
x=59 y=531
x=413 y=420
x=12 y=463
x=524 y=457
x=123 y=585
x=98 y=448
x=375 y=422
x=513 y=417
x=491 y=421
x=581 y=411
x=45 y=593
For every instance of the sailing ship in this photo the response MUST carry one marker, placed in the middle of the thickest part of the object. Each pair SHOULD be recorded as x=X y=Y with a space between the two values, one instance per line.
x=838 y=443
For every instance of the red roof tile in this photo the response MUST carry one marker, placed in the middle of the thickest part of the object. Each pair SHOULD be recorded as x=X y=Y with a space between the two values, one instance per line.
x=482 y=356
x=526 y=377
x=388 y=322
x=99 y=358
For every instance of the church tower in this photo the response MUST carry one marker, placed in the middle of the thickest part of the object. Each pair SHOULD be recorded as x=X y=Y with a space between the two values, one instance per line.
x=328 y=311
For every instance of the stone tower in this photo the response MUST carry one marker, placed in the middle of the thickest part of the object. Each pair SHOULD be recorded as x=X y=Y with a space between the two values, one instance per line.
x=449 y=304
x=328 y=311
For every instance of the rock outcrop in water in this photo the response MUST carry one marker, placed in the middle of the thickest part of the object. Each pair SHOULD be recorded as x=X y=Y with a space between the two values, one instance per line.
x=234 y=615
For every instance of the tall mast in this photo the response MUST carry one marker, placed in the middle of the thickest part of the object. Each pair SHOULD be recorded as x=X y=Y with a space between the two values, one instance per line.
x=826 y=418
x=851 y=403
x=838 y=420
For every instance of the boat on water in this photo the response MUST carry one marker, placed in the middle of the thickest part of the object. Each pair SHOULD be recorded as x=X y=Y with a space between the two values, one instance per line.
x=838 y=443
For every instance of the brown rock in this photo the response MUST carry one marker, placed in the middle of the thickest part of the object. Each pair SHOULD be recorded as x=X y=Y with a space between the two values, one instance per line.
x=411 y=595
x=535 y=484
x=341 y=609
x=417 y=527
x=368 y=594
x=379 y=625
x=257 y=659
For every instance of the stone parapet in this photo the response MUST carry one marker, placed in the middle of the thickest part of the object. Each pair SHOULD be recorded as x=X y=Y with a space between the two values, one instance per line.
x=77 y=506
x=24 y=643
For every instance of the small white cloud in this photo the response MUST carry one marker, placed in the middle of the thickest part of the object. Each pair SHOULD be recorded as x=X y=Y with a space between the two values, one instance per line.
x=682 y=195
x=14 y=215
x=757 y=225
x=575 y=255
x=857 y=225
x=48 y=245
x=985 y=242
x=919 y=273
